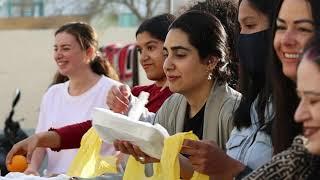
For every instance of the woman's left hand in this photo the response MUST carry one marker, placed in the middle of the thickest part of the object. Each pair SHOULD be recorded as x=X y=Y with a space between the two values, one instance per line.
x=128 y=148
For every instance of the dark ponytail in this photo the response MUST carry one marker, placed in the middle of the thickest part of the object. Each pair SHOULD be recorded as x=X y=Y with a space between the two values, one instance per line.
x=102 y=66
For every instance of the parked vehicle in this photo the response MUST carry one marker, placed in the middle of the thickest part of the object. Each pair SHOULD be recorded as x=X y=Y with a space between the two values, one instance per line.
x=124 y=58
x=11 y=134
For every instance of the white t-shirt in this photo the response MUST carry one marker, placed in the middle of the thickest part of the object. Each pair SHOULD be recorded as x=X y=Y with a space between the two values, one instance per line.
x=59 y=108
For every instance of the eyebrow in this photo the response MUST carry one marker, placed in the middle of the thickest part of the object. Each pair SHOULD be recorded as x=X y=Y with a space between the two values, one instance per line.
x=148 y=43
x=179 y=47
x=151 y=41
x=309 y=93
x=63 y=45
x=298 y=21
x=247 y=18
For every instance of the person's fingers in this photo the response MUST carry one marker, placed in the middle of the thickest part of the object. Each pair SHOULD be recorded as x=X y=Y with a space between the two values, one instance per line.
x=32 y=144
x=120 y=106
x=30 y=151
x=129 y=147
x=16 y=149
x=149 y=159
x=31 y=172
x=138 y=151
x=110 y=95
x=191 y=143
x=199 y=164
x=145 y=159
x=123 y=148
x=198 y=167
x=209 y=143
x=9 y=156
x=188 y=150
x=110 y=100
x=118 y=94
x=196 y=160
x=125 y=90
x=116 y=101
x=116 y=145
x=195 y=147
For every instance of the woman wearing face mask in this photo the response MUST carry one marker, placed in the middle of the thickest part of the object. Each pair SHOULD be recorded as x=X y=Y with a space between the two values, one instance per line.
x=249 y=142
x=302 y=159
x=296 y=24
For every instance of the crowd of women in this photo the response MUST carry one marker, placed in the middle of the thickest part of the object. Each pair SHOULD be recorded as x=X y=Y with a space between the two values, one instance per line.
x=267 y=130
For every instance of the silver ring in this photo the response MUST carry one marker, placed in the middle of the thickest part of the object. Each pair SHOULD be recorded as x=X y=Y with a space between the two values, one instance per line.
x=141 y=159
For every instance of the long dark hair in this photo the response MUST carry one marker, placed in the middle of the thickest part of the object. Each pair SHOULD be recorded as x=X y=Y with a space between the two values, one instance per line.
x=284 y=97
x=251 y=87
x=227 y=12
x=312 y=49
x=206 y=33
x=86 y=37
x=157 y=26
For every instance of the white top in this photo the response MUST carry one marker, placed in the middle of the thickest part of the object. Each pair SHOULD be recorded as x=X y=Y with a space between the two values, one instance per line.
x=59 y=108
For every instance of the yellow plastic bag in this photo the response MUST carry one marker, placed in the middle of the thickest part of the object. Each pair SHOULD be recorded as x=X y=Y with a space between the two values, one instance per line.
x=88 y=161
x=169 y=167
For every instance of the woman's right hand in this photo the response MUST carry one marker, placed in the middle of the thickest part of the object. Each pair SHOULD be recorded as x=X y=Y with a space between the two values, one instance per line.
x=24 y=147
x=118 y=98
x=30 y=170
x=128 y=148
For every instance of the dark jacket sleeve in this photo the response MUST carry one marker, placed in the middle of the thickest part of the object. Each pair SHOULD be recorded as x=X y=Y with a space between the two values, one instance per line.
x=70 y=136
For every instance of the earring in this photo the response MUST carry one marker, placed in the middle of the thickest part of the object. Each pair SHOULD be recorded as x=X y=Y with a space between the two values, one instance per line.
x=210 y=76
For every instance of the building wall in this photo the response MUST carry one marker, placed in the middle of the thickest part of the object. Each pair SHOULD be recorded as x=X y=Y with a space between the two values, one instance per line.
x=32 y=23
x=27 y=63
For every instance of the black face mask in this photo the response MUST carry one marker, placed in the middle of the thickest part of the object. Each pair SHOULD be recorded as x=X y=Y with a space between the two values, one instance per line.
x=253 y=52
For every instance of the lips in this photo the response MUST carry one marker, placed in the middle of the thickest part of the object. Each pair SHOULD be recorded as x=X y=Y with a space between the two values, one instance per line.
x=292 y=55
x=62 y=63
x=145 y=66
x=309 y=131
x=172 y=78
x=290 y=58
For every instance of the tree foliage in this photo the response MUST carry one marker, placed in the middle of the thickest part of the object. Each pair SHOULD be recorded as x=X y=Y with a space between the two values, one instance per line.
x=142 y=9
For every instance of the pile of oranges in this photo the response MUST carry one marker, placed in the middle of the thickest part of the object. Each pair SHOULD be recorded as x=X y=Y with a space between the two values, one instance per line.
x=18 y=164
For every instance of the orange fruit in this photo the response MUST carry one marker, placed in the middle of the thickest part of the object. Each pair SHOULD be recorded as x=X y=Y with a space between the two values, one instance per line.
x=18 y=164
